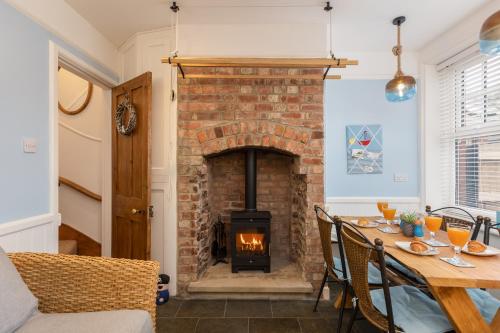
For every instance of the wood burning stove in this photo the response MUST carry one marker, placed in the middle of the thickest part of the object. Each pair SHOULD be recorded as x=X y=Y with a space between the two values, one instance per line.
x=250 y=228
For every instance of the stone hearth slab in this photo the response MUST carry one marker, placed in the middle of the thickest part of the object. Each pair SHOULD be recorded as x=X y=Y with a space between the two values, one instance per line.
x=284 y=278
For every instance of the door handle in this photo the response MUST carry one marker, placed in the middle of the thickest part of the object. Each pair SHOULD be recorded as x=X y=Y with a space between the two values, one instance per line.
x=136 y=211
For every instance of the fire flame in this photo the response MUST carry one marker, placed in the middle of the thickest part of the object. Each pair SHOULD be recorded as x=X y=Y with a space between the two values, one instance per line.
x=253 y=245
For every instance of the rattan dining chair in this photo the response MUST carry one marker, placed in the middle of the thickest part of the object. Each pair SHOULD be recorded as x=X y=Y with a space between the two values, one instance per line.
x=380 y=313
x=488 y=226
x=474 y=223
x=336 y=274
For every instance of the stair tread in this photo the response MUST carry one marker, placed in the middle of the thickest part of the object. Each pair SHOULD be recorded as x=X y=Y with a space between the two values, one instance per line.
x=68 y=247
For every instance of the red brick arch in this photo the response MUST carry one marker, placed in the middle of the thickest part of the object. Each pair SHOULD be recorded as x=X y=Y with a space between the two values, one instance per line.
x=253 y=133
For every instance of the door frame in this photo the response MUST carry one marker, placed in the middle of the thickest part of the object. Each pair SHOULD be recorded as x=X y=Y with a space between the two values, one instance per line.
x=58 y=55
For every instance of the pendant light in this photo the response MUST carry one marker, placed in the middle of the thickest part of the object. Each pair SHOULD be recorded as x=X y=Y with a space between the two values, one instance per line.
x=489 y=37
x=402 y=87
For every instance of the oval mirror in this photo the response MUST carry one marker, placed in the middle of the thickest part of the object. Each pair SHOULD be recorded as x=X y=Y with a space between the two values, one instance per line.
x=74 y=92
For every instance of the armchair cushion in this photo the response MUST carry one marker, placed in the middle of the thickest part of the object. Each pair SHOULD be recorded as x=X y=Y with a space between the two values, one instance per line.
x=119 y=321
x=17 y=303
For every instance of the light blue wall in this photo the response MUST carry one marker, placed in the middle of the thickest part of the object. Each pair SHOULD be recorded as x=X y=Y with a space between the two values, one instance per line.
x=352 y=102
x=24 y=111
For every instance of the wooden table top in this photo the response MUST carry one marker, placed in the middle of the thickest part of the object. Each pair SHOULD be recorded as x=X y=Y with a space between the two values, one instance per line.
x=436 y=272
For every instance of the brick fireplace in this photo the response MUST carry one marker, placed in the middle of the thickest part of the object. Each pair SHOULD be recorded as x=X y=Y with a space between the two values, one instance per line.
x=217 y=120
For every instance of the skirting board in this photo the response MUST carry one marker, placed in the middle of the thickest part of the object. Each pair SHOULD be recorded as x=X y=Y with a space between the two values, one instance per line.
x=33 y=234
x=367 y=206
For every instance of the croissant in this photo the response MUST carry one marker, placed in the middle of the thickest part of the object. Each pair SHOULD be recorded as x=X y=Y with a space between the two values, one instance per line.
x=363 y=222
x=476 y=247
x=418 y=246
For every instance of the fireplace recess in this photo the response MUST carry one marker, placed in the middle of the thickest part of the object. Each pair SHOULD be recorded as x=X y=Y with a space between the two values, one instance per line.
x=250 y=228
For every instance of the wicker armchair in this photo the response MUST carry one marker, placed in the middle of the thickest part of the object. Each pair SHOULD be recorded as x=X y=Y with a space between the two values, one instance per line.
x=68 y=283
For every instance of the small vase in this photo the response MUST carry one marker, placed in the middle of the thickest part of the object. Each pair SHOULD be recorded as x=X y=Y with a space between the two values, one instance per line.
x=408 y=229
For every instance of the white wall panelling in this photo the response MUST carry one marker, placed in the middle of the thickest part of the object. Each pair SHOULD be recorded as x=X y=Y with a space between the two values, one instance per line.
x=367 y=206
x=33 y=234
x=139 y=54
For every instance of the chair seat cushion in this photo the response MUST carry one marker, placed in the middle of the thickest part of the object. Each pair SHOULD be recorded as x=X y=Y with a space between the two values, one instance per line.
x=120 y=321
x=413 y=310
x=485 y=303
x=403 y=270
x=17 y=303
x=373 y=272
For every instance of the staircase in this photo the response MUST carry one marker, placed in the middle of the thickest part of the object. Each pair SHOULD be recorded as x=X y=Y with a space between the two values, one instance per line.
x=72 y=241
x=68 y=246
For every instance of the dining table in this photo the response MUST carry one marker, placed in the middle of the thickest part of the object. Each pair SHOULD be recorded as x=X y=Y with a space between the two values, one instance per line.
x=446 y=282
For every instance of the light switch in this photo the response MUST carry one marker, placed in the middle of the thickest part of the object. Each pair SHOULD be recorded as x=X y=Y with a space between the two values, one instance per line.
x=29 y=145
x=400 y=177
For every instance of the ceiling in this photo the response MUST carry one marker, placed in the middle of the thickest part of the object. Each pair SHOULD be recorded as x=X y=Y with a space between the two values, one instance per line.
x=359 y=25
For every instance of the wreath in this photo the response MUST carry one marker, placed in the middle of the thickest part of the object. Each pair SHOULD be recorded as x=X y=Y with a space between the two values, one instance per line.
x=123 y=107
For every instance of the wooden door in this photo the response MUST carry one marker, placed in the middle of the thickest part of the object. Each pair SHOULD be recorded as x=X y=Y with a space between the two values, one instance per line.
x=131 y=230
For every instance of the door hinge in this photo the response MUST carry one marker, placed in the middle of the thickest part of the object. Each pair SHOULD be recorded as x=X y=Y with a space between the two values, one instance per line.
x=172 y=95
x=151 y=211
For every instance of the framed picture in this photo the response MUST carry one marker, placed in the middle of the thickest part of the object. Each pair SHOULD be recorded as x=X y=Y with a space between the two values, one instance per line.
x=364 y=149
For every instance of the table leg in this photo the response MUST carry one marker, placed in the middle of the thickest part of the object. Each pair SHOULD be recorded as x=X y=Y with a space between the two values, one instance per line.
x=460 y=310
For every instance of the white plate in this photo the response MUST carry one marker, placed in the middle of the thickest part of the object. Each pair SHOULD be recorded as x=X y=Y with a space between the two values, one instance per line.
x=370 y=224
x=405 y=246
x=390 y=230
x=490 y=251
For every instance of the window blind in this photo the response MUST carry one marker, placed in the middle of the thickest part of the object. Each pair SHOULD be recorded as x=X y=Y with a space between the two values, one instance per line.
x=470 y=132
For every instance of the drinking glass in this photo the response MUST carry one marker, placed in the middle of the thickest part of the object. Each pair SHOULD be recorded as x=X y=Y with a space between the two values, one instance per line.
x=389 y=215
x=433 y=223
x=458 y=235
x=381 y=205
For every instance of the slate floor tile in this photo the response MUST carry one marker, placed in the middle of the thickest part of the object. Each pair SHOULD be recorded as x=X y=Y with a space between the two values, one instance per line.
x=282 y=309
x=202 y=308
x=274 y=325
x=320 y=325
x=177 y=325
x=222 y=325
x=169 y=309
x=250 y=308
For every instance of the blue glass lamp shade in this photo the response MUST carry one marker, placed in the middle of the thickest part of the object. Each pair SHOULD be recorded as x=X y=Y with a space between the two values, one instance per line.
x=489 y=37
x=401 y=88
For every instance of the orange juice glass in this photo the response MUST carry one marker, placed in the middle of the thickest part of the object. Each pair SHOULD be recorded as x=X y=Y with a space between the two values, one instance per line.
x=381 y=205
x=389 y=214
x=433 y=223
x=458 y=235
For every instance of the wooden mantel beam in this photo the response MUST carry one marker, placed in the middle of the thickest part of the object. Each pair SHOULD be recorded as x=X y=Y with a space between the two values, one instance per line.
x=258 y=76
x=260 y=62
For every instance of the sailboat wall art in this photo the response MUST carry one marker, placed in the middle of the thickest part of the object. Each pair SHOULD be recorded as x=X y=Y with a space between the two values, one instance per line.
x=364 y=149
